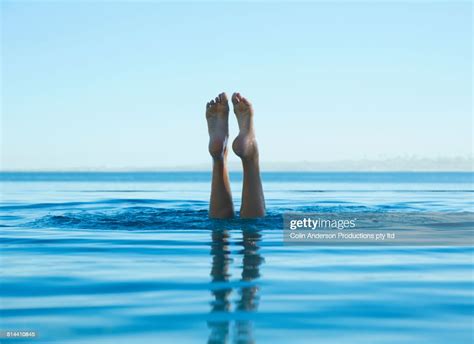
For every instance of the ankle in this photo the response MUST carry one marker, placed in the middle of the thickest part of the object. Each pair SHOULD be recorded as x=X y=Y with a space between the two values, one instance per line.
x=218 y=149
x=220 y=157
x=251 y=157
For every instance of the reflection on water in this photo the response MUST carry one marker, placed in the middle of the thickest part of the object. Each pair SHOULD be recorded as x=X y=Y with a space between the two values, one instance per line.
x=247 y=294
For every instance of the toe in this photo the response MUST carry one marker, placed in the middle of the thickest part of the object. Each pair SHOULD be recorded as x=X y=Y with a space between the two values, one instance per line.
x=217 y=100
x=223 y=97
x=234 y=98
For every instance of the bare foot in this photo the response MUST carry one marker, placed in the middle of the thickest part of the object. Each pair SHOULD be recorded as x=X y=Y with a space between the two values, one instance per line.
x=245 y=144
x=217 y=115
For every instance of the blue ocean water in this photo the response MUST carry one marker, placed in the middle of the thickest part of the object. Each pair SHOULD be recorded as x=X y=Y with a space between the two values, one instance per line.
x=129 y=257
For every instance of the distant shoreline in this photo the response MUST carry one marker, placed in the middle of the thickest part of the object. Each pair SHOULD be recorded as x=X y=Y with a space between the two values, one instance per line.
x=233 y=171
x=394 y=164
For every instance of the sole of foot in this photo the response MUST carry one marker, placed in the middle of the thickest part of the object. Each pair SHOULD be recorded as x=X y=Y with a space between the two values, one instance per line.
x=217 y=115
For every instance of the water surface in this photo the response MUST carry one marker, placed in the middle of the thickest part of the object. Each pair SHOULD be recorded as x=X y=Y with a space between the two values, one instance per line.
x=128 y=257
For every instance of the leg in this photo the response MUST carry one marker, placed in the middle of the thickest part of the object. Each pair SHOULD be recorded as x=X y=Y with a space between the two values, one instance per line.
x=245 y=146
x=217 y=115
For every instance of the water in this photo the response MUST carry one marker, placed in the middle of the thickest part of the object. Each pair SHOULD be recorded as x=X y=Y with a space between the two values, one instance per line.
x=132 y=257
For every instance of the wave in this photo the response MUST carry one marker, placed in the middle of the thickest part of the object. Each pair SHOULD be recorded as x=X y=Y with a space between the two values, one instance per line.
x=144 y=217
x=151 y=218
x=148 y=218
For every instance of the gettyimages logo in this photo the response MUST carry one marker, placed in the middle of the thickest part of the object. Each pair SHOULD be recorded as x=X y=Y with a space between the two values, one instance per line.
x=319 y=223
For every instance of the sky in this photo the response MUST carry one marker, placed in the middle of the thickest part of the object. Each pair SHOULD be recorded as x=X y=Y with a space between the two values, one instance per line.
x=122 y=85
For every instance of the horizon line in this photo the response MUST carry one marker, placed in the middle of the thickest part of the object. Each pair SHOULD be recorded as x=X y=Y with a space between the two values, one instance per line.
x=234 y=171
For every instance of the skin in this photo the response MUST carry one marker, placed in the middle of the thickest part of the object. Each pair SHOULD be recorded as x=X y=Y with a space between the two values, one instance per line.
x=245 y=146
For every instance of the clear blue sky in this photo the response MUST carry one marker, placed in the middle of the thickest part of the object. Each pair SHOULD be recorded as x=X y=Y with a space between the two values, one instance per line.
x=112 y=85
